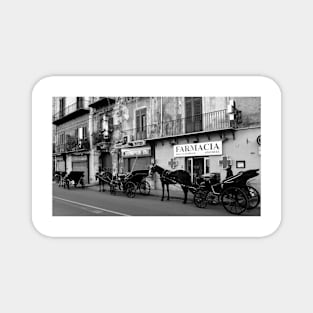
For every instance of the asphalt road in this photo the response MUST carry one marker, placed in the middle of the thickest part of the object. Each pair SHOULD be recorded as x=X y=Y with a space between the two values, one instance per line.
x=89 y=202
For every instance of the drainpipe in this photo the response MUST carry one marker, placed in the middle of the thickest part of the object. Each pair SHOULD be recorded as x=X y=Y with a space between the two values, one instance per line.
x=161 y=117
x=91 y=157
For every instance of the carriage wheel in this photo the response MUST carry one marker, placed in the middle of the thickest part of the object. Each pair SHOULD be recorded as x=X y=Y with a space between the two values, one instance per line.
x=144 y=188
x=67 y=184
x=212 y=198
x=234 y=200
x=112 y=188
x=199 y=198
x=130 y=188
x=253 y=197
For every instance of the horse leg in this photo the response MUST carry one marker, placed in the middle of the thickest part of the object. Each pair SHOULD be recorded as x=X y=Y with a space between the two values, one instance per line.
x=168 y=192
x=185 y=192
x=162 y=191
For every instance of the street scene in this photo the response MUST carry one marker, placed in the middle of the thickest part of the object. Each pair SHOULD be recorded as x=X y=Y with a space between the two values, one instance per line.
x=90 y=201
x=156 y=156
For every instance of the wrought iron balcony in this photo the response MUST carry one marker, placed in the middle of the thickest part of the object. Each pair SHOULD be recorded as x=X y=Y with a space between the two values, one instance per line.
x=60 y=148
x=73 y=144
x=207 y=122
x=99 y=137
x=71 y=111
x=98 y=102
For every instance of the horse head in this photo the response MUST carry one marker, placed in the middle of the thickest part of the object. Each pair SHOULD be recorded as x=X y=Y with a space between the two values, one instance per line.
x=155 y=169
x=151 y=169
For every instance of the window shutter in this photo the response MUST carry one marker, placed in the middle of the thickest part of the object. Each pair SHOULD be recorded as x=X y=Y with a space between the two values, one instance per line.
x=197 y=106
x=80 y=133
x=197 y=109
x=188 y=114
x=110 y=123
x=143 y=122
x=138 y=120
x=188 y=107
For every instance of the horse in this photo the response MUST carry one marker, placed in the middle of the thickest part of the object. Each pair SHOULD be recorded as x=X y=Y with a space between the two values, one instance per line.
x=104 y=178
x=171 y=178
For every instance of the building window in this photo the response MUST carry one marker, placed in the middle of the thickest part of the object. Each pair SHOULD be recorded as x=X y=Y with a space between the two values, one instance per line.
x=79 y=102
x=193 y=111
x=62 y=107
x=62 y=138
x=141 y=124
x=81 y=133
x=100 y=123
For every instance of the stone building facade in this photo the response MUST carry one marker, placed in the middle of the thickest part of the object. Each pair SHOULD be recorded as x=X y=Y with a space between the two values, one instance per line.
x=122 y=134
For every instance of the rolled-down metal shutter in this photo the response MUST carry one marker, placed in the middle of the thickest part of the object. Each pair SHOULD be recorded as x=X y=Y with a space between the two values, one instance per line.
x=81 y=166
x=140 y=163
x=60 y=165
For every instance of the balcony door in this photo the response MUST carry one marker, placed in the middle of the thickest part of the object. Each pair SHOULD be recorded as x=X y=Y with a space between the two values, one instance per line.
x=79 y=103
x=141 y=124
x=62 y=107
x=193 y=109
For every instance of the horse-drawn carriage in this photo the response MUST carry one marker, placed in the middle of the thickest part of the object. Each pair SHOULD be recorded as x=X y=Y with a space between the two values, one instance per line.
x=233 y=192
x=59 y=178
x=74 y=178
x=129 y=183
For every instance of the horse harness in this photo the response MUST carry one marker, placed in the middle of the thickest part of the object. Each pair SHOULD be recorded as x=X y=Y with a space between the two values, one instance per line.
x=165 y=177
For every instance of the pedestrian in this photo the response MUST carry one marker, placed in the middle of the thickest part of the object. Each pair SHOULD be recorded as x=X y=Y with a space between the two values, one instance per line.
x=229 y=172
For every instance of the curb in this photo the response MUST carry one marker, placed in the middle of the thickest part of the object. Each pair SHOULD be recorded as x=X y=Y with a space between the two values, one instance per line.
x=95 y=188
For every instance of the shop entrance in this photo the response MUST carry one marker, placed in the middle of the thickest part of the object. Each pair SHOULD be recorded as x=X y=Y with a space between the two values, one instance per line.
x=105 y=161
x=197 y=167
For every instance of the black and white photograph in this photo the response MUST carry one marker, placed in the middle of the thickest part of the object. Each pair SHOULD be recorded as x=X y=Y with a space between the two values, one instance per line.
x=156 y=156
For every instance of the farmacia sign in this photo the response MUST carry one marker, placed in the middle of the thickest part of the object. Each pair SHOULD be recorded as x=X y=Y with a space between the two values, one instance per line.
x=198 y=149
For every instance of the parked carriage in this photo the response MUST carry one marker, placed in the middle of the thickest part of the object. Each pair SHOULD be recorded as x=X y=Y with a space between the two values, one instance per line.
x=59 y=178
x=74 y=178
x=233 y=192
x=130 y=183
x=104 y=178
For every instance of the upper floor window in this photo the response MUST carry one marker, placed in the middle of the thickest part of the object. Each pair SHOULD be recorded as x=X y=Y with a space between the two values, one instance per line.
x=81 y=133
x=79 y=102
x=193 y=109
x=61 y=140
x=62 y=107
x=141 y=124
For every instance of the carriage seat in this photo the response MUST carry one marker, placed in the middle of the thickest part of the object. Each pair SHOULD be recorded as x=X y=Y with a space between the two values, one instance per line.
x=213 y=178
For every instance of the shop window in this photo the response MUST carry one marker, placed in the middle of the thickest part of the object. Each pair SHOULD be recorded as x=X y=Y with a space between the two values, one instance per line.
x=193 y=109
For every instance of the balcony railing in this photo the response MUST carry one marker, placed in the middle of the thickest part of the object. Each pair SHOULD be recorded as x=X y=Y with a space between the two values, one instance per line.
x=99 y=138
x=72 y=145
x=69 y=111
x=206 y=122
